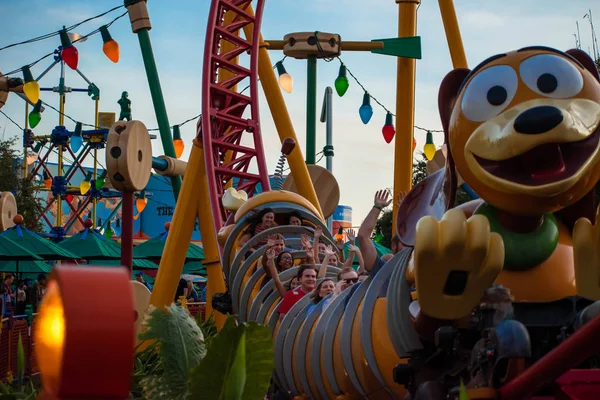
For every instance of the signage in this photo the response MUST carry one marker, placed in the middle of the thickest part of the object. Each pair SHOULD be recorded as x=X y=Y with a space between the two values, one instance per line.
x=106 y=119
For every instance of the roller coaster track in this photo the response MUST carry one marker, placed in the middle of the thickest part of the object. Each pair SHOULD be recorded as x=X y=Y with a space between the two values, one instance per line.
x=223 y=125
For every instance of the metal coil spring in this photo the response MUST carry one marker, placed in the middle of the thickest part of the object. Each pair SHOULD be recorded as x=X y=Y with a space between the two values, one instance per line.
x=278 y=178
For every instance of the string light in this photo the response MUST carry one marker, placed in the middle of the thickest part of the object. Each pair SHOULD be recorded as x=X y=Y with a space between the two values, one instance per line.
x=141 y=202
x=285 y=80
x=47 y=180
x=69 y=53
x=388 y=129
x=85 y=185
x=366 y=111
x=341 y=82
x=429 y=148
x=76 y=139
x=101 y=180
x=177 y=141
x=35 y=116
x=31 y=88
x=110 y=47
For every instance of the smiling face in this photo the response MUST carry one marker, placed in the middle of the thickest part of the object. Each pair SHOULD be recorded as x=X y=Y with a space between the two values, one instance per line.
x=326 y=287
x=286 y=261
x=268 y=219
x=295 y=221
x=349 y=279
x=525 y=130
x=308 y=280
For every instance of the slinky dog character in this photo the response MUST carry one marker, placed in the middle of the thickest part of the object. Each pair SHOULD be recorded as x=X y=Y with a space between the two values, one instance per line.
x=522 y=130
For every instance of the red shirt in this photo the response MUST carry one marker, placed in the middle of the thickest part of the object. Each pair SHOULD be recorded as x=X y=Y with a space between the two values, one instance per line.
x=291 y=298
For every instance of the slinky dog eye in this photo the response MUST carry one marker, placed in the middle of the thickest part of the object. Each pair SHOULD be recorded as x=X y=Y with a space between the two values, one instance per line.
x=489 y=92
x=551 y=76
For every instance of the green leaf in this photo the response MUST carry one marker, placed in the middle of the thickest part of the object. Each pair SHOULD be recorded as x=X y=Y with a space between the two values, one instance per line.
x=260 y=361
x=181 y=349
x=20 y=361
x=208 y=380
x=236 y=378
x=208 y=327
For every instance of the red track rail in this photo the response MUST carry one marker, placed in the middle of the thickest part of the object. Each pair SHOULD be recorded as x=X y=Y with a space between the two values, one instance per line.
x=223 y=126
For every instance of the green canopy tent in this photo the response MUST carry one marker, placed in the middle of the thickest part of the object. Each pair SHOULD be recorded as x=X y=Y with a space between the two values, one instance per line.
x=36 y=244
x=28 y=268
x=90 y=245
x=153 y=249
x=14 y=257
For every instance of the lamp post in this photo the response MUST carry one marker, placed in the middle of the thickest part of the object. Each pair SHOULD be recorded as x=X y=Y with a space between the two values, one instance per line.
x=327 y=118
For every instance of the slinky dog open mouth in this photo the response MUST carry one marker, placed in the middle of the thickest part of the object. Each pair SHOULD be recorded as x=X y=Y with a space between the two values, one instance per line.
x=544 y=164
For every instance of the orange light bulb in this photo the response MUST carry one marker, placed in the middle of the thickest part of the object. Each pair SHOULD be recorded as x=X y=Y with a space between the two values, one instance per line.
x=140 y=204
x=111 y=49
x=179 y=147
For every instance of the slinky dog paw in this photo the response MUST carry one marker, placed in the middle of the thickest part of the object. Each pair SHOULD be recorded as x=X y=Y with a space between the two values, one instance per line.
x=455 y=261
x=586 y=253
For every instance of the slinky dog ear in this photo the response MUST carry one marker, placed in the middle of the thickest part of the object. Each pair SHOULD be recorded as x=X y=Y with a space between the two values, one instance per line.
x=435 y=194
x=585 y=60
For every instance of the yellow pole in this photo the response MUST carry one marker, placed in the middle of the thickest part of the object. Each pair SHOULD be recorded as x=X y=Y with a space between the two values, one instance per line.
x=455 y=43
x=212 y=257
x=25 y=147
x=95 y=200
x=405 y=105
x=282 y=120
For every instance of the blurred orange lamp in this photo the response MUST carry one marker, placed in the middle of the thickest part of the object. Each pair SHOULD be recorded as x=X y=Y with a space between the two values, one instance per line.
x=178 y=142
x=86 y=352
x=141 y=202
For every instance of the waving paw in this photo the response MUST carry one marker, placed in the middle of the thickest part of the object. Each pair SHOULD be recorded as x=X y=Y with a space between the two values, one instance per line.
x=455 y=261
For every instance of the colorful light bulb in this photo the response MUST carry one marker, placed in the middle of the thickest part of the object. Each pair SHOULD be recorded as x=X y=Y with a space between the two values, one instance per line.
x=35 y=116
x=178 y=142
x=85 y=185
x=366 y=111
x=388 y=129
x=110 y=47
x=341 y=82
x=414 y=144
x=31 y=88
x=69 y=198
x=47 y=180
x=285 y=80
x=101 y=180
x=429 y=148
x=340 y=234
x=69 y=53
x=76 y=139
x=141 y=202
x=109 y=233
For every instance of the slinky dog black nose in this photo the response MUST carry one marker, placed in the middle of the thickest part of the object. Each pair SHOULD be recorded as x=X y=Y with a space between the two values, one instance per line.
x=538 y=120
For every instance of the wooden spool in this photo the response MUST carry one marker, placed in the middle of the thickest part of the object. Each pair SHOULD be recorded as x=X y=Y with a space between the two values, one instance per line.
x=129 y=156
x=8 y=210
x=326 y=186
x=302 y=45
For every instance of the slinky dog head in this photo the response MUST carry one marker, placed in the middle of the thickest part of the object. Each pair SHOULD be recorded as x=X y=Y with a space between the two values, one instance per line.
x=523 y=131
x=525 y=127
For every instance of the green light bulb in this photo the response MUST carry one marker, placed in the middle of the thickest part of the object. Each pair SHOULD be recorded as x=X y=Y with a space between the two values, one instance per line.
x=341 y=83
x=35 y=115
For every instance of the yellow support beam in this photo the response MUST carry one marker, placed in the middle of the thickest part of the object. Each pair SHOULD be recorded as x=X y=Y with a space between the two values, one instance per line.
x=455 y=43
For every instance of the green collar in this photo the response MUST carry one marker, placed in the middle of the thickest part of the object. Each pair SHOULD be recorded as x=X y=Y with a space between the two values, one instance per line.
x=523 y=251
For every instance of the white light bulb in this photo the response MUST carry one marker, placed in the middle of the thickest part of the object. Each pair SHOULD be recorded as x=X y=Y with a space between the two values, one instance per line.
x=286 y=82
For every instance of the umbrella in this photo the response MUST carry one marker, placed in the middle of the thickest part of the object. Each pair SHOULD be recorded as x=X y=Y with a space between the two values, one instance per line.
x=25 y=267
x=9 y=250
x=37 y=244
x=153 y=249
x=90 y=245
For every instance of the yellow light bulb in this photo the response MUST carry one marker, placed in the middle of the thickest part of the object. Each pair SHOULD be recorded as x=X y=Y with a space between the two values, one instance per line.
x=32 y=91
x=429 y=150
x=50 y=336
x=286 y=82
x=111 y=49
x=179 y=147
x=84 y=187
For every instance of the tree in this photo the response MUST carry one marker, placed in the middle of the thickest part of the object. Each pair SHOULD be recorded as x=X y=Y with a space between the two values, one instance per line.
x=383 y=228
x=28 y=204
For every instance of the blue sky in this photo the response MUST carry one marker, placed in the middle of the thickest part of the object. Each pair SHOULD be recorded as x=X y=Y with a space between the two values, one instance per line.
x=363 y=161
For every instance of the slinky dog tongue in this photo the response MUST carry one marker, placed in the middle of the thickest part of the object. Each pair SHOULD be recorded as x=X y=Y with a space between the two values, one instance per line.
x=544 y=161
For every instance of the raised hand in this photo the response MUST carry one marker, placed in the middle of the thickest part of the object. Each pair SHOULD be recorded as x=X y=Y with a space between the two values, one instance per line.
x=318 y=232
x=353 y=249
x=329 y=251
x=270 y=253
x=586 y=252
x=270 y=241
x=306 y=245
x=351 y=235
x=382 y=198
x=455 y=261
